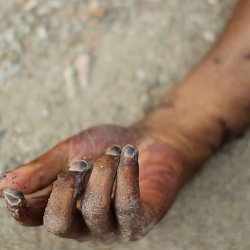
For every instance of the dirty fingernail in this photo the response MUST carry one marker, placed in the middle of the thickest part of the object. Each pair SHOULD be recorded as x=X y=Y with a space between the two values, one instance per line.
x=129 y=151
x=13 y=197
x=114 y=150
x=79 y=166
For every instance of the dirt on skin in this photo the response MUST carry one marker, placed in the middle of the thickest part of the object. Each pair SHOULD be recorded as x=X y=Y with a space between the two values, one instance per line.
x=67 y=65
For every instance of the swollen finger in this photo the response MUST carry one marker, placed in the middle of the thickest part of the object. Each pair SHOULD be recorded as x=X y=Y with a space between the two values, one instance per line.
x=61 y=216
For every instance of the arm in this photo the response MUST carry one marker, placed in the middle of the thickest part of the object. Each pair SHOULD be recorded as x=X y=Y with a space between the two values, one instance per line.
x=213 y=102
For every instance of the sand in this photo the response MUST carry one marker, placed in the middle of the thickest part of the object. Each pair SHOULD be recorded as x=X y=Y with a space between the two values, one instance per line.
x=67 y=65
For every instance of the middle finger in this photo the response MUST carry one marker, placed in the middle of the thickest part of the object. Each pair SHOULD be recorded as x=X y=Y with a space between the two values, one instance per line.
x=95 y=204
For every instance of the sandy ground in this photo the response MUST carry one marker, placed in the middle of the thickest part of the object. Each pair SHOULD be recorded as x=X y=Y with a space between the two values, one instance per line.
x=67 y=65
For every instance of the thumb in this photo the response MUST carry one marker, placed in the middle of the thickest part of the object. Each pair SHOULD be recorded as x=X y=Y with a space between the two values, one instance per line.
x=38 y=173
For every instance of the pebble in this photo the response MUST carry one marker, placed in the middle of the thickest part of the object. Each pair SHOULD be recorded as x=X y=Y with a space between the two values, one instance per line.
x=42 y=33
x=45 y=113
x=213 y=2
x=209 y=36
x=141 y=75
x=82 y=66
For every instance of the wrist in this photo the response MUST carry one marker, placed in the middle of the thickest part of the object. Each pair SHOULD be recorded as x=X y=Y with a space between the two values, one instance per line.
x=194 y=134
x=213 y=102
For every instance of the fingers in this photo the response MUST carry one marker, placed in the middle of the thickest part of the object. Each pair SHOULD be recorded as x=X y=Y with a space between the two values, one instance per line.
x=41 y=172
x=38 y=173
x=95 y=203
x=29 y=212
x=127 y=196
x=61 y=217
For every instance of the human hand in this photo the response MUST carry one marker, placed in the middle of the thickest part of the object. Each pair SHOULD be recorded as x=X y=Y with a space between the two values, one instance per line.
x=123 y=197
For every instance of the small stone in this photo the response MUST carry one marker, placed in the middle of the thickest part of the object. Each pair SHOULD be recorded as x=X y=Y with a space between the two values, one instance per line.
x=213 y=2
x=82 y=66
x=209 y=36
x=97 y=12
x=140 y=73
x=45 y=113
x=42 y=33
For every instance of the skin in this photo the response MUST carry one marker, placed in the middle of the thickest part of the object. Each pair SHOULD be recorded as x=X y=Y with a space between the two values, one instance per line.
x=131 y=186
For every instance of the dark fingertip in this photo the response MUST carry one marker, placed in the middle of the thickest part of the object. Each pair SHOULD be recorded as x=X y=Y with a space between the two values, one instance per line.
x=129 y=151
x=13 y=197
x=79 y=166
x=114 y=150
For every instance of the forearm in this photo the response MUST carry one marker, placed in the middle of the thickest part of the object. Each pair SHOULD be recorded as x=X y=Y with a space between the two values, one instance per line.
x=213 y=102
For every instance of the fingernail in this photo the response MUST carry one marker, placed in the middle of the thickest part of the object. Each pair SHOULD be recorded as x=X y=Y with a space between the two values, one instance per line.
x=79 y=166
x=13 y=197
x=130 y=151
x=114 y=150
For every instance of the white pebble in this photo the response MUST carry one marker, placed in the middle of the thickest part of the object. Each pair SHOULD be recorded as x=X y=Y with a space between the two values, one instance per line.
x=82 y=66
x=209 y=36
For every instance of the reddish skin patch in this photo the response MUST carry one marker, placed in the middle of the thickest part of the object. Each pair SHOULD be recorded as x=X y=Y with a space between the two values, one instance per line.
x=162 y=175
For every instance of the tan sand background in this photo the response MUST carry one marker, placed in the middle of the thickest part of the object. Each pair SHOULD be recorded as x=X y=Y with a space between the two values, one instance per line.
x=67 y=65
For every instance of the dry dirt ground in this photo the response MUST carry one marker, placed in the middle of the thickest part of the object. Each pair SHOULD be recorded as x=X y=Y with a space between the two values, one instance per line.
x=67 y=65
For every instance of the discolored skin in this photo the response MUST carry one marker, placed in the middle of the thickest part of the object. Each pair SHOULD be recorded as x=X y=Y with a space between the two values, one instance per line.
x=133 y=184
x=111 y=206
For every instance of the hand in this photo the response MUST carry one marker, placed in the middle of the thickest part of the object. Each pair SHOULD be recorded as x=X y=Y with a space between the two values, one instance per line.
x=123 y=196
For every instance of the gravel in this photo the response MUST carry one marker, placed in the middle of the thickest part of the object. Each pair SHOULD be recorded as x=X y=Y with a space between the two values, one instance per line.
x=67 y=65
